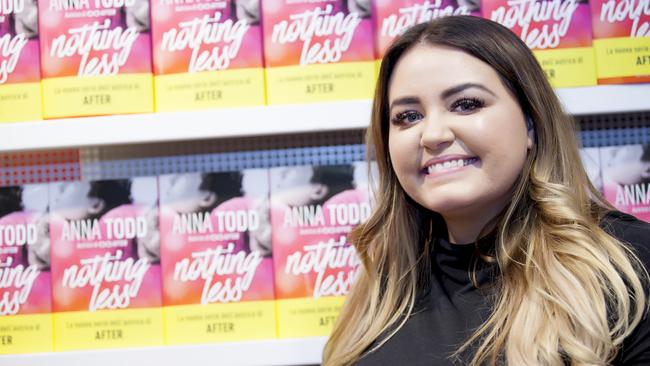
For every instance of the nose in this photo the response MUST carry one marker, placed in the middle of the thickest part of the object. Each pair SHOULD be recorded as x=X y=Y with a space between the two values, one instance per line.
x=436 y=133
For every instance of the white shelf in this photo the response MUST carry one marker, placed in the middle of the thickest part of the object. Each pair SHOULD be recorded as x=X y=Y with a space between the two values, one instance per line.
x=180 y=126
x=267 y=353
x=606 y=99
x=255 y=121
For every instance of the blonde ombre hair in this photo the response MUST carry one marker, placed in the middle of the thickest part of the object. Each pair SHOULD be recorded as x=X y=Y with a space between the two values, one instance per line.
x=567 y=290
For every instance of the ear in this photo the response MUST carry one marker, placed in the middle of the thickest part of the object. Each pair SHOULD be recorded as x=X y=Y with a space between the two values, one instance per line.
x=530 y=126
x=207 y=199
x=645 y=172
x=530 y=139
x=97 y=206
x=319 y=191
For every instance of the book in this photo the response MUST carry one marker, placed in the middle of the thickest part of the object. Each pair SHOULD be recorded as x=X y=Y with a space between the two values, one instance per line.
x=25 y=278
x=95 y=57
x=207 y=54
x=20 y=77
x=313 y=209
x=558 y=31
x=621 y=40
x=318 y=51
x=106 y=264
x=217 y=258
x=626 y=178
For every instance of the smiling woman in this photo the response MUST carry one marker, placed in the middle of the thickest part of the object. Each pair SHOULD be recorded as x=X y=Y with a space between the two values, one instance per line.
x=488 y=244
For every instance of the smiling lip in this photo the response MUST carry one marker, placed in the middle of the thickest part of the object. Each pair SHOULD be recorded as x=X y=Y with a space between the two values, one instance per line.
x=448 y=163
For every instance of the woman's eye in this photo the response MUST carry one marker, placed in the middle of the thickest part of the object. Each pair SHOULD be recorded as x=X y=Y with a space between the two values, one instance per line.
x=467 y=105
x=407 y=117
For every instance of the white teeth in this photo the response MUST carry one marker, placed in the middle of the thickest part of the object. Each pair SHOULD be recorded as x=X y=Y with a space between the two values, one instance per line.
x=449 y=165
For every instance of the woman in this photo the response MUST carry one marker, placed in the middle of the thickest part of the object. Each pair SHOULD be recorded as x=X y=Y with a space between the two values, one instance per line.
x=488 y=244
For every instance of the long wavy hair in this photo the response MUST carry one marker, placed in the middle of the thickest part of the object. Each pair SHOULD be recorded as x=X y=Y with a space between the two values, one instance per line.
x=566 y=290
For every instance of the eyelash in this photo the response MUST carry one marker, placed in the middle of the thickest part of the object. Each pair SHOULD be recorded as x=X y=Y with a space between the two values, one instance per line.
x=401 y=117
x=468 y=106
x=471 y=104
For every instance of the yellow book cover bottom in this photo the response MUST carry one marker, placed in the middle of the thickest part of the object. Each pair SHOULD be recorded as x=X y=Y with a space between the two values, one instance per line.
x=569 y=67
x=20 y=102
x=83 y=330
x=193 y=324
x=226 y=88
x=308 y=317
x=97 y=95
x=319 y=83
x=31 y=333
x=377 y=69
x=622 y=57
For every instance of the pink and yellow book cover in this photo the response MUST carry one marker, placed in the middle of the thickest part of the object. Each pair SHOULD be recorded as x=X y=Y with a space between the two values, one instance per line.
x=622 y=40
x=318 y=51
x=95 y=57
x=106 y=264
x=392 y=18
x=20 y=77
x=25 y=287
x=626 y=178
x=313 y=209
x=207 y=54
x=559 y=32
x=217 y=257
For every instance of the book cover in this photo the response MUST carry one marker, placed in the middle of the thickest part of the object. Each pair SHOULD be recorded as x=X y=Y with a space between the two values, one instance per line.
x=217 y=257
x=25 y=287
x=106 y=264
x=95 y=57
x=313 y=209
x=622 y=40
x=20 y=77
x=207 y=54
x=558 y=31
x=626 y=178
x=318 y=51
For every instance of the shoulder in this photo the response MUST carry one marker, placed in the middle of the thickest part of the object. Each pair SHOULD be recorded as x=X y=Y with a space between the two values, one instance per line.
x=630 y=231
x=634 y=233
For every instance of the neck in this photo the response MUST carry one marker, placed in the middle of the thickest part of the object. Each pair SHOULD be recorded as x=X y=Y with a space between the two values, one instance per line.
x=466 y=228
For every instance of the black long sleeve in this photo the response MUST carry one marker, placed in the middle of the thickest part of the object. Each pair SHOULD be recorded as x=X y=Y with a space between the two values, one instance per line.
x=452 y=308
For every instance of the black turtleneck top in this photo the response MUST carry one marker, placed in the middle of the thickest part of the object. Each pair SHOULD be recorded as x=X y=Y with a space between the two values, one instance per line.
x=453 y=308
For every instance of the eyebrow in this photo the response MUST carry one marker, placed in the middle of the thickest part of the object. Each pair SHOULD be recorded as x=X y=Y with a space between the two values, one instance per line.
x=404 y=101
x=459 y=88
x=444 y=95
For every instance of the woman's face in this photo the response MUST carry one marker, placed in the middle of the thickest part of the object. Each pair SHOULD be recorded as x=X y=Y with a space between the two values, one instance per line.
x=183 y=193
x=626 y=166
x=71 y=201
x=457 y=137
x=293 y=186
